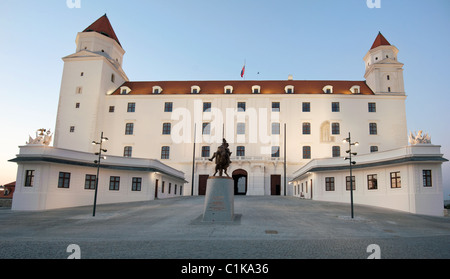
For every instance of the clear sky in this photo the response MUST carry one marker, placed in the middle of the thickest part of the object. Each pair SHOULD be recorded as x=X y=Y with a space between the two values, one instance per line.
x=210 y=39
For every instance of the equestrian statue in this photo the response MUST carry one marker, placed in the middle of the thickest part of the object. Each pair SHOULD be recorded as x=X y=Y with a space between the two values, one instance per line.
x=222 y=156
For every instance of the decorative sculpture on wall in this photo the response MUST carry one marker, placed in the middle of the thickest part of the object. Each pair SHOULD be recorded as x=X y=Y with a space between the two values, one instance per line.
x=222 y=156
x=43 y=137
x=419 y=138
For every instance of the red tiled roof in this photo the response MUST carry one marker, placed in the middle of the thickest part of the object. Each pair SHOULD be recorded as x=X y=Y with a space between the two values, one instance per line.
x=104 y=27
x=245 y=86
x=380 y=40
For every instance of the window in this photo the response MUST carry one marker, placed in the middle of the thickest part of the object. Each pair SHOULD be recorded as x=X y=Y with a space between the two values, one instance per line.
x=72 y=129
x=166 y=128
x=77 y=105
x=228 y=89
x=276 y=106
x=275 y=151
x=157 y=89
x=388 y=77
x=123 y=92
x=206 y=106
x=79 y=90
x=256 y=89
x=195 y=89
x=348 y=181
x=335 y=129
x=372 y=182
x=111 y=108
x=329 y=183
x=336 y=151
x=170 y=187
x=373 y=148
x=306 y=128
x=131 y=107
x=289 y=89
x=241 y=106
x=114 y=183
x=328 y=89
x=389 y=89
x=373 y=128
x=206 y=130
x=89 y=182
x=396 y=181
x=136 y=183
x=162 y=186
x=129 y=128
x=275 y=128
x=427 y=181
x=29 y=178
x=205 y=151
x=355 y=89
x=113 y=78
x=240 y=128
x=306 y=152
x=306 y=107
x=372 y=107
x=64 y=180
x=240 y=151
x=335 y=106
x=168 y=106
x=127 y=151
x=82 y=74
x=165 y=152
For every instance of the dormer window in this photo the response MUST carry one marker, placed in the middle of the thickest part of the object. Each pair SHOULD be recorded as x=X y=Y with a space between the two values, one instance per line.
x=228 y=89
x=157 y=89
x=355 y=89
x=328 y=89
x=125 y=90
x=195 y=89
x=256 y=89
x=289 y=89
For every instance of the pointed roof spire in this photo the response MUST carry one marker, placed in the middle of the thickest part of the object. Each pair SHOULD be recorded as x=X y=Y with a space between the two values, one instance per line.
x=103 y=26
x=380 y=41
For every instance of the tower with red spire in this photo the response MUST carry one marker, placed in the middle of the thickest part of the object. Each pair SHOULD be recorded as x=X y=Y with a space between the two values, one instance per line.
x=384 y=74
x=94 y=70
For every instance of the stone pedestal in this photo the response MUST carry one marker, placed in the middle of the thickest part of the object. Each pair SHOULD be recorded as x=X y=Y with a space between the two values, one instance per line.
x=219 y=199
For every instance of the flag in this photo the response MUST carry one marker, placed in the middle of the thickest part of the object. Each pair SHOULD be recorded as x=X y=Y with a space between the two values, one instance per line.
x=243 y=71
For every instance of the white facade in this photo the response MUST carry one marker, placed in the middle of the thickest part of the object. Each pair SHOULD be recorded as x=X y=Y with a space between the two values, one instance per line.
x=392 y=179
x=41 y=169
x=274 y=128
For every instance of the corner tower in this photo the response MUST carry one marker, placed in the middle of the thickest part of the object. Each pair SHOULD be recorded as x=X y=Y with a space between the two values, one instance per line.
x=91 y=73
x=384 y=74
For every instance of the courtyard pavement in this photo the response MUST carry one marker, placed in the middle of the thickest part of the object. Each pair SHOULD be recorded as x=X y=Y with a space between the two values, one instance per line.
x=265 y=227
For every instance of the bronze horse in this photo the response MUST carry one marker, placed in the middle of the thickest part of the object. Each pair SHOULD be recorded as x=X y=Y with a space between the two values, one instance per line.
x=222 y=156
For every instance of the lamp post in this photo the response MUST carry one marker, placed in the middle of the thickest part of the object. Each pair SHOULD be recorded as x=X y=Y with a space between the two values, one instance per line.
x=99 y=153
x=349 y=151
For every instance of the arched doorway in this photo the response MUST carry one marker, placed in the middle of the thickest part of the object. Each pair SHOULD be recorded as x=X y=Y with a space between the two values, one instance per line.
x=240 y=182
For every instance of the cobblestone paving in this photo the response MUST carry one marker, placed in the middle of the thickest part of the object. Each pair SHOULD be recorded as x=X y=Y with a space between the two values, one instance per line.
x=266 y=227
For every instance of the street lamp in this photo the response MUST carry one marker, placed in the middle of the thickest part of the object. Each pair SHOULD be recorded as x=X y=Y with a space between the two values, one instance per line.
x=99 y=153
x=349 y=151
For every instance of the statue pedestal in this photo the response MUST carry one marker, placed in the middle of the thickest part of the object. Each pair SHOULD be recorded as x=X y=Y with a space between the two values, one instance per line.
x=219 y=199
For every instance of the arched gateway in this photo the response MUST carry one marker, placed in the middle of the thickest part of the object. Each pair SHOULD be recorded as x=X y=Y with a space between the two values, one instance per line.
x=240 y=182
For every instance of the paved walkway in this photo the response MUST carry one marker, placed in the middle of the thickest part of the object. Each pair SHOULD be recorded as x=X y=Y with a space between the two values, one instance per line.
x=268 y=227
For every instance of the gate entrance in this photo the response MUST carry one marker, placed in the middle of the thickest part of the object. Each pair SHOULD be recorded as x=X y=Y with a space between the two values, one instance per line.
x=240 y=182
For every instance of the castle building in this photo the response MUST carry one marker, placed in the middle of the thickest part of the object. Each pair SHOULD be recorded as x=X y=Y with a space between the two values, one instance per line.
x=285 y=135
